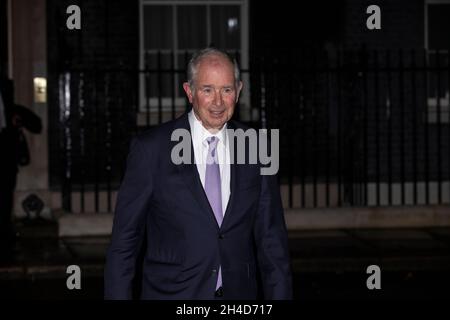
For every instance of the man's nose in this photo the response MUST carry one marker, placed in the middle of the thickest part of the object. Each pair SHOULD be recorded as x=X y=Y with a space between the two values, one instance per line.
x=218 y=98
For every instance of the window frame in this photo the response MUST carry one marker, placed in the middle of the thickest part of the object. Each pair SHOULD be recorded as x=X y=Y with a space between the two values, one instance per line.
x=180 y=102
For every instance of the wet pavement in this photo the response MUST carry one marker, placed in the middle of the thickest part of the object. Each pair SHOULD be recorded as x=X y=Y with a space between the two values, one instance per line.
x=328 y=264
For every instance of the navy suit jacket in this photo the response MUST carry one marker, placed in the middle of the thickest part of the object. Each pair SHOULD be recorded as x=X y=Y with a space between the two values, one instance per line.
x=165 y=205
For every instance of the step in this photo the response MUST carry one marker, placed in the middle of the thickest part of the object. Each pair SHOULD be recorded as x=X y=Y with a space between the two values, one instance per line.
x=100 y=224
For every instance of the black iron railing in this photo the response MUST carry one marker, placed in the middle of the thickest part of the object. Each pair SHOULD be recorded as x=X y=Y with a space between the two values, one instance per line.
x=357 y=128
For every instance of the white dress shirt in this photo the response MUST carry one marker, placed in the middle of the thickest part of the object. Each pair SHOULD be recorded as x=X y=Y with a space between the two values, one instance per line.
x=199 y=135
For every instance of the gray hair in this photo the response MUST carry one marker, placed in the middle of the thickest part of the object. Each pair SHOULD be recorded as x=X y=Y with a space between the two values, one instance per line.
x=200 y=55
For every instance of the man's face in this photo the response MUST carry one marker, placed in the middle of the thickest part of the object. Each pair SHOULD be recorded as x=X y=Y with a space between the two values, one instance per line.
x=214 y=92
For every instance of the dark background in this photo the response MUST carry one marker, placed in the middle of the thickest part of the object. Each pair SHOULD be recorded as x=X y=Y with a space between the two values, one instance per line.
x=354 y=107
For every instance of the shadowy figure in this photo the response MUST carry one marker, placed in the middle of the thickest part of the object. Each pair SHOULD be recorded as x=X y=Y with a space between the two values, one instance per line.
x=14 y=153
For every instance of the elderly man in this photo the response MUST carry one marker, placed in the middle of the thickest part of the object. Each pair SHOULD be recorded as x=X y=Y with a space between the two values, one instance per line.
x=214 y=228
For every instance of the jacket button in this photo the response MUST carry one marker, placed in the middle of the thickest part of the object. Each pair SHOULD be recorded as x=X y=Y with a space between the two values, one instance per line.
x=214 y=271
x=221 y=236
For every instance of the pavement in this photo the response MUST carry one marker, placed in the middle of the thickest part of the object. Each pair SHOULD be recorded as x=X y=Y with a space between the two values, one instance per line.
x=327 y=264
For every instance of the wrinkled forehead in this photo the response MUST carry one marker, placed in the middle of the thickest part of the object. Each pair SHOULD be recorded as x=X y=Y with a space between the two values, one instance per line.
x=216 y=62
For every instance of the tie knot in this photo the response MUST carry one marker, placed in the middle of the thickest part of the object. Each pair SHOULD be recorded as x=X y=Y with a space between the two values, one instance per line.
x=212 y=141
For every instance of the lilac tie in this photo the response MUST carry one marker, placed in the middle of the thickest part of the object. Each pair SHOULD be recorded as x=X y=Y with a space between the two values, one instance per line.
x=213 y=188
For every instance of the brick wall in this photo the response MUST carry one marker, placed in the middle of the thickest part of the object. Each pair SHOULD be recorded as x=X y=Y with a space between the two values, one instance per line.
x=3 y=38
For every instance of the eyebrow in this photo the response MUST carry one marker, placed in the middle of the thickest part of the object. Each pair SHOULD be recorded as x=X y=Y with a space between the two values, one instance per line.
x=211 y=86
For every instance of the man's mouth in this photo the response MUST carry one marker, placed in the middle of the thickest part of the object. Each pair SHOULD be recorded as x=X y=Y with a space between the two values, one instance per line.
x=216 y=113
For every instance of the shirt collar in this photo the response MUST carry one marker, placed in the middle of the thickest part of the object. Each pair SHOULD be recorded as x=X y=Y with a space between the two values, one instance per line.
x=200 y=133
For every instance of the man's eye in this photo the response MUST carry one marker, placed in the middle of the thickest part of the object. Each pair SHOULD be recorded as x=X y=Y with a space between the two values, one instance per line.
x=228 y=90
x=207 y=90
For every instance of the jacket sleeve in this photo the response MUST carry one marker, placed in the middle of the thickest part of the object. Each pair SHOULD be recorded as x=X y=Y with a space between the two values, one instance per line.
x=272 y=242
x=129 y=224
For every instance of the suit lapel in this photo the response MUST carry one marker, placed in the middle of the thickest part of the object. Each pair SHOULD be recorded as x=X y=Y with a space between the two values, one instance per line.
x=190 y=176
x=234 y=176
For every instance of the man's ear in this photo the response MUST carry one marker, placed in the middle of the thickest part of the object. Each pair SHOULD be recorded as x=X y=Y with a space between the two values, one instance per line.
x=239 y=88
x=187 y=89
